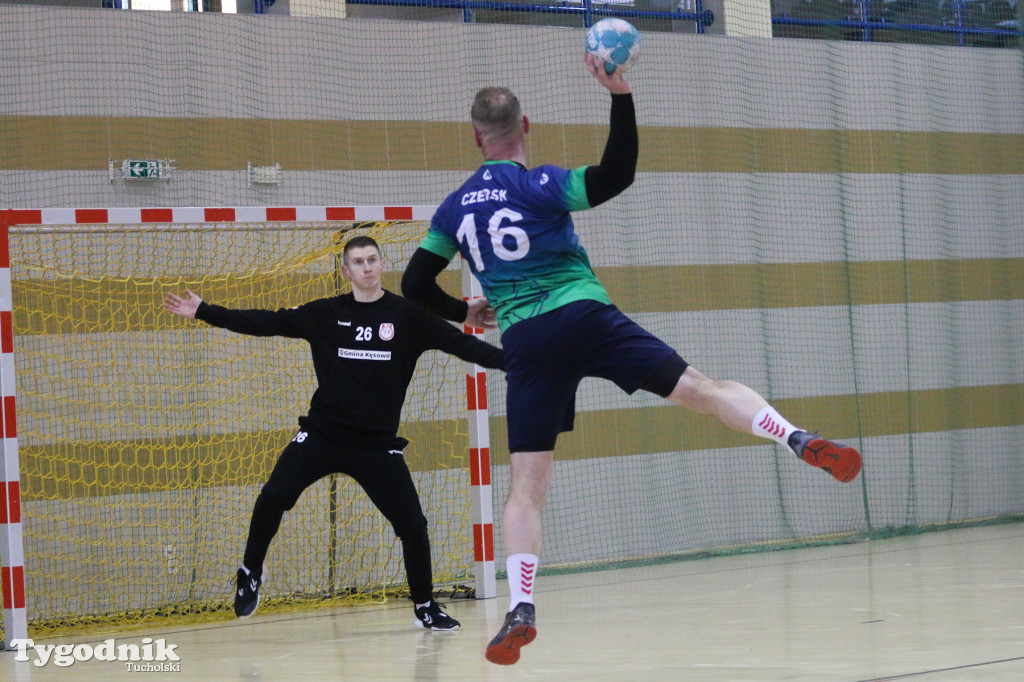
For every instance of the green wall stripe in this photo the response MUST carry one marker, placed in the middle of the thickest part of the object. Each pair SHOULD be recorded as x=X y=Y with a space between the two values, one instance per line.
x=798 y=285
x=73 y=470
x=668 y=428
x=41 y=143
x=85 y=470
x=105 y=304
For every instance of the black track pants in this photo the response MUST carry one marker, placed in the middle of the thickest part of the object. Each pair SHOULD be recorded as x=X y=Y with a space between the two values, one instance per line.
x=379 y=469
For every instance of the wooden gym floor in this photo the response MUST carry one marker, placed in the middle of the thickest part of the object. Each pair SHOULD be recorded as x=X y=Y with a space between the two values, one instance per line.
x=935 y=607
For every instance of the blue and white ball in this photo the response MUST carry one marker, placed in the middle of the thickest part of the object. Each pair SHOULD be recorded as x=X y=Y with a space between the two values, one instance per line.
x=615 y=42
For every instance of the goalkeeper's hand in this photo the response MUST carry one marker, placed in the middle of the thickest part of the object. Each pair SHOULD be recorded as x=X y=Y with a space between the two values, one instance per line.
x=186 y=307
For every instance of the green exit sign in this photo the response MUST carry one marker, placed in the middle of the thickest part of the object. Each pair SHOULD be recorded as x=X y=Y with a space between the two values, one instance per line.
x=145 y=169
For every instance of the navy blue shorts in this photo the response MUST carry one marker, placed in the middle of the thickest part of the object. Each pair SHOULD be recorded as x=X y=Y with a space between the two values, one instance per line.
x=547 y=356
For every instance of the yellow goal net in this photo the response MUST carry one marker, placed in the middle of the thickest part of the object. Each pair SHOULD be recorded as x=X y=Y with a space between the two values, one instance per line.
x=144 y=438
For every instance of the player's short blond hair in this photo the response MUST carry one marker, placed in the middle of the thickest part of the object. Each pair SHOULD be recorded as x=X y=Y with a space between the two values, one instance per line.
x=496 y=112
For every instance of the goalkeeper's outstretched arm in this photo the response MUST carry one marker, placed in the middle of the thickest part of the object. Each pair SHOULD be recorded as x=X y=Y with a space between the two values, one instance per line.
x=185 y=307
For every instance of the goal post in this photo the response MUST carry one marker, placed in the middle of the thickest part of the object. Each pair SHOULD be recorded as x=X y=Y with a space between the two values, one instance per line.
x=479 y=460
x=12 y=553
x=144 y=438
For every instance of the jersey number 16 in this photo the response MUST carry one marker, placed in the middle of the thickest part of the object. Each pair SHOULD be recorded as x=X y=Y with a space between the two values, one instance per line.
x=499 y=234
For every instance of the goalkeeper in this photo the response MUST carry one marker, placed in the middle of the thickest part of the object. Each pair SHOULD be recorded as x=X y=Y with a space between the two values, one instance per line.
x=513 y=226
x=364 y=345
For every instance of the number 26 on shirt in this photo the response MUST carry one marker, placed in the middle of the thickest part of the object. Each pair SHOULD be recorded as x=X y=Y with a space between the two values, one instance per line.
x=499 y=235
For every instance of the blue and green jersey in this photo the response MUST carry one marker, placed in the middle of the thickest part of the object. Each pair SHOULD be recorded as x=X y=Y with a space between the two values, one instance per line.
x=513 y=226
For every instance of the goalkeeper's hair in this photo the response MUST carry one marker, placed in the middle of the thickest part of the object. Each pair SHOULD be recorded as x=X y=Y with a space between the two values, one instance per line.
x=357 y=242
x=496 y=112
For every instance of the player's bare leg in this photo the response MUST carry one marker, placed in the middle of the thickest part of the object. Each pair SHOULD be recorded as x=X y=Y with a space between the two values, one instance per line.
x=743 y=409
x=523 y=531
x=732 y=403
x=530 y=477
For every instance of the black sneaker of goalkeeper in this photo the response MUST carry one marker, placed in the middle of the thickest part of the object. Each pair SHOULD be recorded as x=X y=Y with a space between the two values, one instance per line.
x=247 y=596
x=431 y=617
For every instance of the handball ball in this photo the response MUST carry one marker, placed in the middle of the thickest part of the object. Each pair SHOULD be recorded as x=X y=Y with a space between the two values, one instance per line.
x=615 y=42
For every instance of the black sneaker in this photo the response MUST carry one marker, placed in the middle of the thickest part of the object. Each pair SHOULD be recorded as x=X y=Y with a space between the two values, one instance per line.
x=518 y=631
x=247 y=598
x=431 y=617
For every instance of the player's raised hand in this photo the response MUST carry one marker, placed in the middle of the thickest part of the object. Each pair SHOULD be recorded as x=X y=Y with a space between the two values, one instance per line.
x=614 y=83
x=481 y=315
x=186 y=307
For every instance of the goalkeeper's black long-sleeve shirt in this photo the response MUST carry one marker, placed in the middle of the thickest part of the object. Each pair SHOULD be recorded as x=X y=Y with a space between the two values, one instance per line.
x=364 y=354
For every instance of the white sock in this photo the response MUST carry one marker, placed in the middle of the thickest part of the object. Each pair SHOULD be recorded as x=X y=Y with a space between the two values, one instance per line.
x=522 y=569
x=770 y=424
x=247 y=572
x=422 y=606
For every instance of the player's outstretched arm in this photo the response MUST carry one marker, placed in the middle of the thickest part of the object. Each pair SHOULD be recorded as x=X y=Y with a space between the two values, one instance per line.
x=617 y=169
x=185 y=307
x=615 y=83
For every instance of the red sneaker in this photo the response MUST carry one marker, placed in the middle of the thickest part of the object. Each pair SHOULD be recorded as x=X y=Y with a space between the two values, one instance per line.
x=842 y=461
x=518 y=631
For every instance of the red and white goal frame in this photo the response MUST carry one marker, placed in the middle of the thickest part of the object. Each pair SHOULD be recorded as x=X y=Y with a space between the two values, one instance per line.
x=12 y=555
